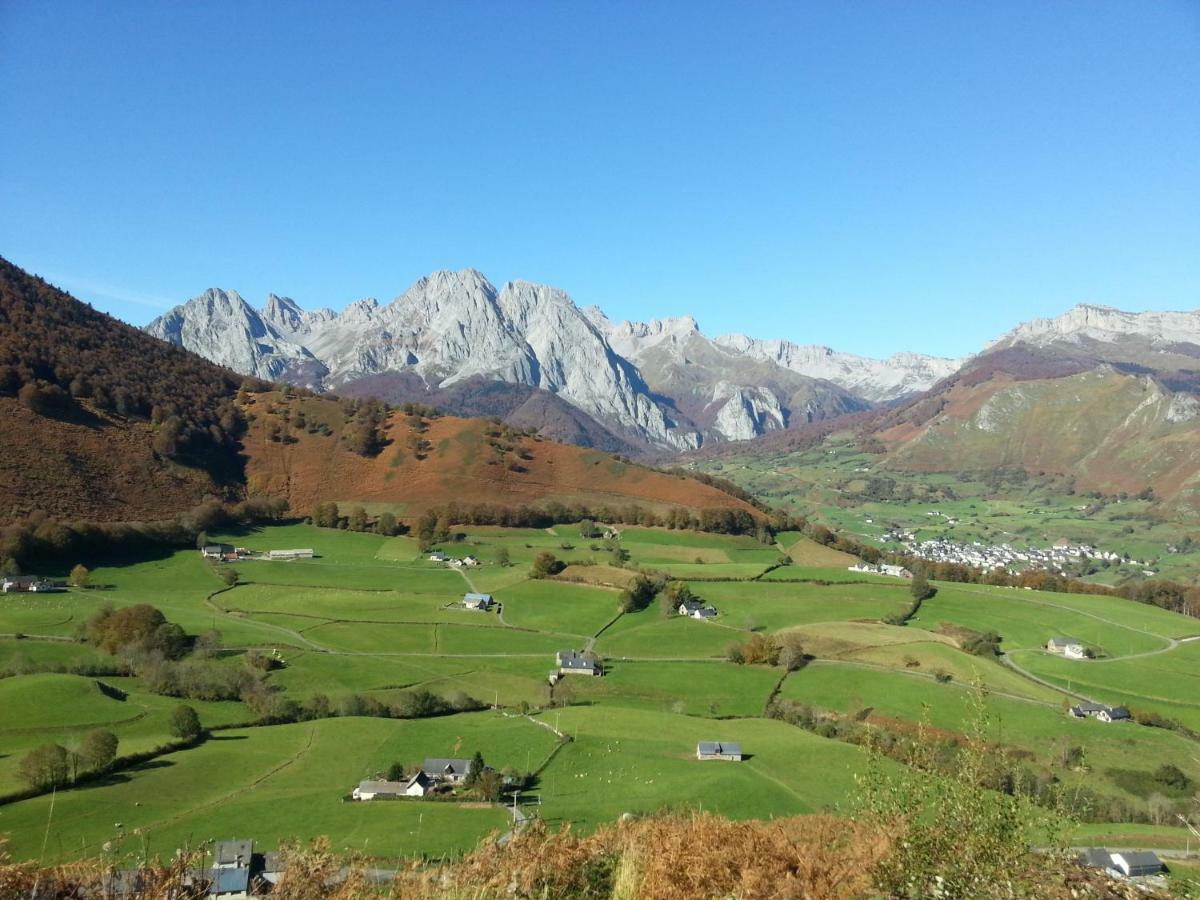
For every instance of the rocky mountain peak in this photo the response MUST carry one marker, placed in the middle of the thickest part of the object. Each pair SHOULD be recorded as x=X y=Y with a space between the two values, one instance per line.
x=223 y=327
x=1106 y=325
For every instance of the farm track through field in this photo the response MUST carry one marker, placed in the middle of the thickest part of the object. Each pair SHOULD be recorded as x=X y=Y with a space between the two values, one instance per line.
x=1172 y=643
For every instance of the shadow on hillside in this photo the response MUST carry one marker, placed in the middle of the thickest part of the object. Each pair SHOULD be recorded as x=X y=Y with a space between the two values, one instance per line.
x=123 y=776
x=227 y=737
x=113 y=556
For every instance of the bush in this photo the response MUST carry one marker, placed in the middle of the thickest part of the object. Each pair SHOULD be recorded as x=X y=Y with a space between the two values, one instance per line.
x=544 y=565
x=45 y=767
x=98 y=750
x=139 y=628
x=185 y=723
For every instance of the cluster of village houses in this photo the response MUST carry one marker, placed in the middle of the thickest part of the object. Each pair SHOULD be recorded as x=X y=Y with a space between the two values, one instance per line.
x=1004 y=556
x=33 y=584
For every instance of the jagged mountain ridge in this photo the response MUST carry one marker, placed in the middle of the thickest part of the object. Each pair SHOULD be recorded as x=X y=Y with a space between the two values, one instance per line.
x=659 y=384
x=1106 y=324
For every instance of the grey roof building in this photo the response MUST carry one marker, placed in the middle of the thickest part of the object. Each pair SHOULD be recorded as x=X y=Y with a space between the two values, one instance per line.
x=1095 y=858
x=574 y=661
x=718 y=750
x=473 y=600
x=446 y=769
x=232 y=854
x=1136 y=863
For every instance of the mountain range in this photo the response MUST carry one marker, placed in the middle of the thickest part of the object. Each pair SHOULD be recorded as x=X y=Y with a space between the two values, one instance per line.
x=111 y=424
x=455 y=339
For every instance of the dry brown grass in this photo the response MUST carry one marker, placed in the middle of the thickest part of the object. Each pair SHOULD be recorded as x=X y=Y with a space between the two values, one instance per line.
x=661 y=858
x=672 y=858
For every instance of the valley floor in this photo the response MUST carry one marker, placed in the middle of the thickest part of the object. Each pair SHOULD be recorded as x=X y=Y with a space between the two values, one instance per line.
x=371 y=616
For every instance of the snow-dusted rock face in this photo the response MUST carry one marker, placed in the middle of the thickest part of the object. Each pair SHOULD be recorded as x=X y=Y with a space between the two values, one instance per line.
x=1107 y=325
x=878 y=380
x=224 y=328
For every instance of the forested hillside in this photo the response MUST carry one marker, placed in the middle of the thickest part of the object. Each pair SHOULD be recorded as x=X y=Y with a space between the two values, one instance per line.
x=103 y=422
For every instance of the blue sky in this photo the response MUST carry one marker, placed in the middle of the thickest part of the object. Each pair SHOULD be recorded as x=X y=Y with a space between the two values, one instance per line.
x=873 y=176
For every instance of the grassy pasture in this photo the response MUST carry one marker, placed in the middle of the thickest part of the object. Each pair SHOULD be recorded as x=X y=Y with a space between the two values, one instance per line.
x=345 y=547
x=686 y=688
x=934 y=656
x=1136 y=616
x=376 y=576
x=284 y=782
x=648 y=634
x=362 y=637
x=1040 y=728
x=600 y=576
x=807 y=552
x=1025 y=621
x=663 y=537
x=28 y=653
x=1167 y=683
x=399 y=549
x=775 y=606
x=341 y=604
x=47 y=707
x=558 y=607
x=499 y=641
x=627 y=760
x=741 y=570
x=378 y=622
x=838 y=575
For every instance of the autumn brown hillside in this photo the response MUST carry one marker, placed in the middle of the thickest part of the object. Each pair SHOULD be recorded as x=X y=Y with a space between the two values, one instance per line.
x=297 y=448
x=99 y=421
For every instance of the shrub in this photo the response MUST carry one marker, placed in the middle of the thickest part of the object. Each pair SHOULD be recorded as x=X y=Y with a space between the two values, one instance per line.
x=185 y=723
x=45 y=767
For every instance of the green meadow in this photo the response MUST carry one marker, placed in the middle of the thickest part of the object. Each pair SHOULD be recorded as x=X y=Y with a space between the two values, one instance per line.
x=371 y=616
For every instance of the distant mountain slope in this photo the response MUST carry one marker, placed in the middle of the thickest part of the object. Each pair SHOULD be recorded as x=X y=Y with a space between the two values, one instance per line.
x=103 y=422
x=1110 y=430
x=433 y=462
x=659 y=384
x=1107 y=397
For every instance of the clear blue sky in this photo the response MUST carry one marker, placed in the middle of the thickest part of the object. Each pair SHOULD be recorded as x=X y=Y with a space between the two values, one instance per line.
x=875 y=176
